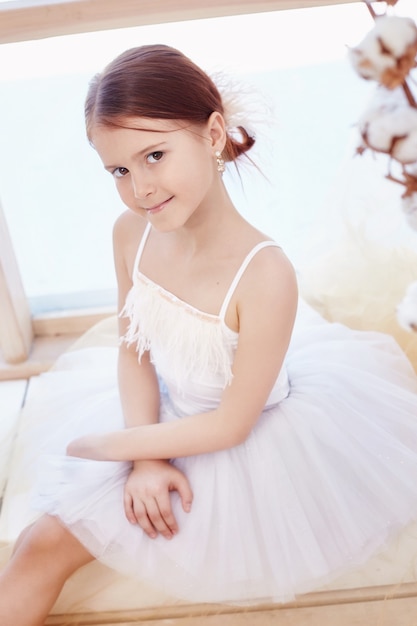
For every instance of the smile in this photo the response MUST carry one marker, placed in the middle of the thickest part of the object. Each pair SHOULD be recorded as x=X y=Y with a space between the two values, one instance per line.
x=158 y=207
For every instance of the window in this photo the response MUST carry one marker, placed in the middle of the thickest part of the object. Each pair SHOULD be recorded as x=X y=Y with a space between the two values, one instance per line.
x=60 y=204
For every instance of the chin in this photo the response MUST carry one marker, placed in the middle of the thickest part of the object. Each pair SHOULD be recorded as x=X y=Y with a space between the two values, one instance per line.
x=165 y=225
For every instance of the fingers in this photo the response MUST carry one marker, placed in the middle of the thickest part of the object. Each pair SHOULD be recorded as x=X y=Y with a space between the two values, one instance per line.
x=183 y=487
x=153 y=516
x=147 y=498
x=136 y=514
x=159 y=511
x=128 y=506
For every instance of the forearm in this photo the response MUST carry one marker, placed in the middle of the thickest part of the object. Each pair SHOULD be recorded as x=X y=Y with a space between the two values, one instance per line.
x=197 y=434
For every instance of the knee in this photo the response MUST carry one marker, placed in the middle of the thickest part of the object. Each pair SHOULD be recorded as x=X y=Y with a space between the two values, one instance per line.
x=46 y=535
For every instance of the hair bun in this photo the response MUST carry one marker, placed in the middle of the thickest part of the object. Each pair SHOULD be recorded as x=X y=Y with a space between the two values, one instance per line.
x=238 y=142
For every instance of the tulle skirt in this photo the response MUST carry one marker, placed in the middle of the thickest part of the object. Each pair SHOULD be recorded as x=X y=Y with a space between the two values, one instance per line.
x=323 y=481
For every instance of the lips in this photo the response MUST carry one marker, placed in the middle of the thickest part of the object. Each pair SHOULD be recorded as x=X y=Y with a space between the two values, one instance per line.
x=158 y=207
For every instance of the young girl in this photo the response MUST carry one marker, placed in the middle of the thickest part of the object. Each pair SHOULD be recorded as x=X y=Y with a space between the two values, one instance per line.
x=241 y=463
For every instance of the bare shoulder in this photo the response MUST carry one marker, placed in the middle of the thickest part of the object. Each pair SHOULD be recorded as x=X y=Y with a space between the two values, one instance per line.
x=128 y=226
x=127 y=233
x=269 y=280
x=271 y=265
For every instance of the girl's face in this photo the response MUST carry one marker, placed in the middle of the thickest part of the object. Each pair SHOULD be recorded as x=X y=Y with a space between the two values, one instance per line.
x=163 y=169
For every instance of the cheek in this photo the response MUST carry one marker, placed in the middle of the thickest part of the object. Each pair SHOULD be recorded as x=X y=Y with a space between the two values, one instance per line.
x=125 y=191
x=200 y=174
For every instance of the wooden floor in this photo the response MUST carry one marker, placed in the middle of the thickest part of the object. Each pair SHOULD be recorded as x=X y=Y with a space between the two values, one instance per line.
x=44 y=353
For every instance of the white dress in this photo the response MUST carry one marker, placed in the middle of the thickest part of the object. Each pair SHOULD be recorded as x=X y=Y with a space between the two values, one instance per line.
x=327 y=475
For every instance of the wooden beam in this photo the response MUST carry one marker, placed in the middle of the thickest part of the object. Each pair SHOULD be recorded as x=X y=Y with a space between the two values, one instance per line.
x=16 y=332
x=71 y=322
x=372 y=606
x=22 y=20
x=44 y=353
x=55 y=334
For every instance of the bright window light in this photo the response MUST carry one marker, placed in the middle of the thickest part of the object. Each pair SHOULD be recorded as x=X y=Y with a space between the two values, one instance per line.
x=59 y=202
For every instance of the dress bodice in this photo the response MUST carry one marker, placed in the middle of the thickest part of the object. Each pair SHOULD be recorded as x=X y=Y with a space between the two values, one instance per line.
x=192 y=350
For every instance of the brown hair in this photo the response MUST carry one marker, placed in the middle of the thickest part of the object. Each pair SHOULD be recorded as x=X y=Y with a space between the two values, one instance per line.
x=158 y=82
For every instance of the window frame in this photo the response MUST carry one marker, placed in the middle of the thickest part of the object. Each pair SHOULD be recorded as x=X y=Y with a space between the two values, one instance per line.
x=22 y=20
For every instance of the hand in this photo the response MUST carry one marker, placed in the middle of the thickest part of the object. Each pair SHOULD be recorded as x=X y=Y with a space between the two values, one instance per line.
x=147 y=499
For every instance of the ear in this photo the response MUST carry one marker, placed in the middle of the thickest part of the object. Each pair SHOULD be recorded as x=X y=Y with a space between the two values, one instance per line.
x=216 y=127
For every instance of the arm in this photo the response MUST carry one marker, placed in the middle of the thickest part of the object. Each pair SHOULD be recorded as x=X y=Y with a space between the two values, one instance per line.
x=146 y=497
x=266 y=306
x=138 y=384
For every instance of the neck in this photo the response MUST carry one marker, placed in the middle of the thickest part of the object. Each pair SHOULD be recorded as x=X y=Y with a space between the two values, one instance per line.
x=215 y=218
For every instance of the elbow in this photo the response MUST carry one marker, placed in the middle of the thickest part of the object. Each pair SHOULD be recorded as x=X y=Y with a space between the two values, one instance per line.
x=236 y=434
x=70 y=450
x=74 y=448
x=241 y=436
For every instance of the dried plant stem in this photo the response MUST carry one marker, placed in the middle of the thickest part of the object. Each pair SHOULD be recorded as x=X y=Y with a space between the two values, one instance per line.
x=409 y=182
x=370 y=9
x=409 y=95
x=395 y=180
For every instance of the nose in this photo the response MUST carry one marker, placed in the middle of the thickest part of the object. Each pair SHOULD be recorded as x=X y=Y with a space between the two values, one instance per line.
x=142 y=185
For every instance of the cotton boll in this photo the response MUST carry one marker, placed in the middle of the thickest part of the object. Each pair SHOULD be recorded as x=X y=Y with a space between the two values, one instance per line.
x=389 y=98
x=368 y=60
x=405 y=150
x=391 y=131
x=383 y=101
x=396 y=33
x=409 y=208
x=378 y=134
x=387 y=53
x=407 y=309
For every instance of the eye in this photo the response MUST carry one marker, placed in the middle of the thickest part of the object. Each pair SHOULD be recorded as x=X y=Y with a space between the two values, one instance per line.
x=119 y=172
x=153 y=157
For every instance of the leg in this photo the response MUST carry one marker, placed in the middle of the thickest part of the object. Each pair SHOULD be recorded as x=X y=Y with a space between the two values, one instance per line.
x=21 y=537
x=46 y=555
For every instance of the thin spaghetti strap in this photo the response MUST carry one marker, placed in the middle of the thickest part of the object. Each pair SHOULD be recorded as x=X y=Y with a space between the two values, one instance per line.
x=140 y=248
x=239 y=274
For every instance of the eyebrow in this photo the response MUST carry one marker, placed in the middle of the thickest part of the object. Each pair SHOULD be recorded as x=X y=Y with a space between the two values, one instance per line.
x=147 y=150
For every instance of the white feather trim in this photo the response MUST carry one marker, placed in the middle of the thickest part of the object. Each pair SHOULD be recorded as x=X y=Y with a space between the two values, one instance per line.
x=184 y=343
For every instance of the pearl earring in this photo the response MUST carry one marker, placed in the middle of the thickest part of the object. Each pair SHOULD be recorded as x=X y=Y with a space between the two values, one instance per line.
x=220 y=162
